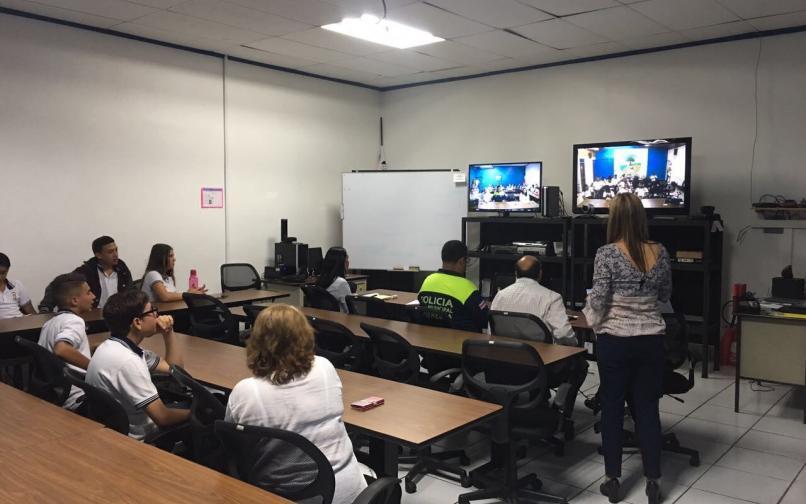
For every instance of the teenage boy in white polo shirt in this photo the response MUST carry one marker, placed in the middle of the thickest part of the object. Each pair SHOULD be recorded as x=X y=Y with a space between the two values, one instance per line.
x=66 y=334
x=14 y=300
x=123 y=369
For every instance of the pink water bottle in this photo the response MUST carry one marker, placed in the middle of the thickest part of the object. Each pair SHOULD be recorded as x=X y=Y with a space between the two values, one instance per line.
x=193 y=282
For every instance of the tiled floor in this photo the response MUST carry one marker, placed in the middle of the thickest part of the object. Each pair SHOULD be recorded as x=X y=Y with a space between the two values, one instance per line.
x=757 y=455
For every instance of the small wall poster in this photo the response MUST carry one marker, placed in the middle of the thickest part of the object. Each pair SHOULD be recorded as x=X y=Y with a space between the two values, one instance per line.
x=212 y=197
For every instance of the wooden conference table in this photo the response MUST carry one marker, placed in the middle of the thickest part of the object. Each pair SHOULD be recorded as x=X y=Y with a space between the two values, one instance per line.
x=411 y=416
x=48 y=454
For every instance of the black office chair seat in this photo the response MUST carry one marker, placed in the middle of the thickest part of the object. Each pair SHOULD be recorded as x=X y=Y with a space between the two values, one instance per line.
x=338 y=344
x=317 y=297
x=211 y=319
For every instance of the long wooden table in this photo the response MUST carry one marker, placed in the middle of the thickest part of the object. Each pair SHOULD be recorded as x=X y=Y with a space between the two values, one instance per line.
x=34 y=323
x=411 y=416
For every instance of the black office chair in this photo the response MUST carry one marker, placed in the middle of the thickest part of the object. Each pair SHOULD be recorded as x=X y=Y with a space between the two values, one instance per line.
x=511 y=374
x=368 y=306
x=317 y=297
x=47 y=380
x=239 y=276
x=277 y=460
x=99 y=405
x=252 y=311
x=501 y=281
x=395 y=359
x=206 y=407
x=211 y=319
x=381 y=491
x=337 y=344
x=523 y=326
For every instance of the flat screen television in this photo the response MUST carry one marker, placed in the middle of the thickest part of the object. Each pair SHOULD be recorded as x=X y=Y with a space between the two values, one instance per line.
x=657 y=171
x=504 y=187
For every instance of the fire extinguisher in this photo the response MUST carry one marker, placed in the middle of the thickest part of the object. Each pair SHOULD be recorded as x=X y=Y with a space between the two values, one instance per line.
x=727 y=346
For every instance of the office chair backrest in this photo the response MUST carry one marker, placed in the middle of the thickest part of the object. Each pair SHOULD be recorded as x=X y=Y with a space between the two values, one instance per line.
x=381 y=491
x=675 y=343
x=205 y=408
x=394 y=357
x=252 y=311
x=369 y=307
x=277 y=460
x=335 y=342
x=100 y=405
x=47 y=381
x=210 y=318
x=516 y=325
x=317 y=297
x=239 y=276
x=501 y=281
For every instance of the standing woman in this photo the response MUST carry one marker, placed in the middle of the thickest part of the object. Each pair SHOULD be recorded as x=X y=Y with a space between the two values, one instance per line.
x=159 y=281
x=630 y=276
x=334 y=269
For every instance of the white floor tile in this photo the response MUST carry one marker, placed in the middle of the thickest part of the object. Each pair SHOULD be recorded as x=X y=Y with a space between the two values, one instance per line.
x=674 y=471
x=725 y=416
x=773 y=443
x=432 y=490
x=692 y=430
x=669 y=405
x=792 y=427
x=742 y=485
x=694 y=496
x=750 y=401
x=576 y=473
x=765 y=464
x=589 y=497
x=796 y=494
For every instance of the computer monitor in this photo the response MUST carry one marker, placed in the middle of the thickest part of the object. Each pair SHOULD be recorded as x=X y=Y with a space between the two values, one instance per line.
x=657 y=171
x=504 y=187
x=315 y=259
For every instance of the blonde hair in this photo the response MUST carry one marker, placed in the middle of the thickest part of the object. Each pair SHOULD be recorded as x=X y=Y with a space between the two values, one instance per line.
x=281 y=346
x=627 y=222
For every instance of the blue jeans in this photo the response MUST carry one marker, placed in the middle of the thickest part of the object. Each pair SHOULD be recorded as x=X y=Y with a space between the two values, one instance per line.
x=631 y=370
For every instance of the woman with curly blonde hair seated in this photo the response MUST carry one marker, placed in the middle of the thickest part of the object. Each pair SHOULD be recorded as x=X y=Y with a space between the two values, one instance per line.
x=295 y=390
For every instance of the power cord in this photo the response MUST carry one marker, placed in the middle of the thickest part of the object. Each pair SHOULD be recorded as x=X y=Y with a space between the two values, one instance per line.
x=760 y=386
x=755 y=120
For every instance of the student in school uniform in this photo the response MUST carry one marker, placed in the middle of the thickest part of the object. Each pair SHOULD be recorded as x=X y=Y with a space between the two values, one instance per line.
x=120 y=367
x=106 y=274
x=14 y=299
x=159 y=282
x=295 y=390
x=334 y=269
x=65 y=335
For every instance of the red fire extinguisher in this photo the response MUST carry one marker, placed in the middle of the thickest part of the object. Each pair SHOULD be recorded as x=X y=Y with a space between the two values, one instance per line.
x=727 y=345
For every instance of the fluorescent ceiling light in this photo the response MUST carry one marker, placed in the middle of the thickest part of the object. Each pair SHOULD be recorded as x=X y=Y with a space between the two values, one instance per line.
x=382 y=31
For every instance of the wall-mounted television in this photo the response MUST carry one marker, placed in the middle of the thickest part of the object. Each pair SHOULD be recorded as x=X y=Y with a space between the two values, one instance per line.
x=504 y=187
x=657 y=171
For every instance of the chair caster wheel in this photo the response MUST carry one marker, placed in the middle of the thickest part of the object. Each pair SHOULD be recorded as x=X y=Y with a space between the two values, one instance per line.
x=464 y=460
x=694 y=461
x=464 y=481
x=411 y=486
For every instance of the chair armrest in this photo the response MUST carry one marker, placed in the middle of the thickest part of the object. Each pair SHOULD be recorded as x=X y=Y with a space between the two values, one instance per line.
x=385 y=486
x=444 y=374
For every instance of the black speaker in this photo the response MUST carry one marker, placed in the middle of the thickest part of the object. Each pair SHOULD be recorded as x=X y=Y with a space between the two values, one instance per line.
x=551 y=201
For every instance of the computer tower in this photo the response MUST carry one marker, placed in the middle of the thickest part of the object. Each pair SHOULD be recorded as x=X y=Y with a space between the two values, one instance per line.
x=293 y=257
x=551 y=201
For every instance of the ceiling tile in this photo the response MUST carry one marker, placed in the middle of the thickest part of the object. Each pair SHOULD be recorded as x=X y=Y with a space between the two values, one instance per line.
x=355 y=8
x=718 y=31
x=505 y=44
x=298 y=50
x=115 y=9
x=559 y=34
x=375 y=67
x=191 y=26
x=780 y=21
x=269 y=57
x=412 y=59
x=458 y=53
x=617 y=23
x=568 y=7
x=330 y=70
x=336 y=41
x=593 y=50
x=312 y=12
x=173 y=37
x=657 y=40
x=498 y=13
x=159 y=4
x=440 y=23
x=685 y=14
x=757 y=8
x=241 y=17
x=58 y=13
x=383 y=82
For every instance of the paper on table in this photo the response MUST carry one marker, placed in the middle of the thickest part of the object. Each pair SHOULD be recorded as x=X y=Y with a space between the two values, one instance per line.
x=413 y=303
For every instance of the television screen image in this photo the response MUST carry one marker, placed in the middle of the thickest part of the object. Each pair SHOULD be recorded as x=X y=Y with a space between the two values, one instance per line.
x=504 y=187
x=657 y=171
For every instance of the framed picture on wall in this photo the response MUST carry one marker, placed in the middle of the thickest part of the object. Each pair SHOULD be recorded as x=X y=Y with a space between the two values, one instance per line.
x=212 y=197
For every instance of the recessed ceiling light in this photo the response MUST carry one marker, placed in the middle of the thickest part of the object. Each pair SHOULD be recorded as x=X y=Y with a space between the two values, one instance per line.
x=382 y=31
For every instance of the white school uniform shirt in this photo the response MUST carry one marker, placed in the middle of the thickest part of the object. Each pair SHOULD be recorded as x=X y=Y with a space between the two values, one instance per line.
x=12 y=299
x=310 y=406
x=109 y=286
x=123 y=369
x=68 y=327
x=528 y=296
x=340 y=289
x=153 y=277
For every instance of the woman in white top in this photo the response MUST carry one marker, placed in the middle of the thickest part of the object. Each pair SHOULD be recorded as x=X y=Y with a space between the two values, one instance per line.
x=334 y=269
x=294 y=390
x=159 y=282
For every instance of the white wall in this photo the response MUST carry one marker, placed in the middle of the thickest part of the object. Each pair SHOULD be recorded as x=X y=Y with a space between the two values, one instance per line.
x=103 y=135
x=705 y=92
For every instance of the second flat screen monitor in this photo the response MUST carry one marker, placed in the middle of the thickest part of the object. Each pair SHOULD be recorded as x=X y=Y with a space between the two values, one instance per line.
x=505 y=187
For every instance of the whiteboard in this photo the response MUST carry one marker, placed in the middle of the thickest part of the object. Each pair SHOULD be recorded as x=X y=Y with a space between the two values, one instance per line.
x=400 y=219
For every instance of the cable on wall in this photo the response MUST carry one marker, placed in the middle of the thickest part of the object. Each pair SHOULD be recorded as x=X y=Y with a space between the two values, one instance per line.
x=755 y=116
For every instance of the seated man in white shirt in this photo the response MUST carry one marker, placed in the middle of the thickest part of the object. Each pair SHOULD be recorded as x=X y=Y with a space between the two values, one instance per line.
x=14 y=299
x=526 y=295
